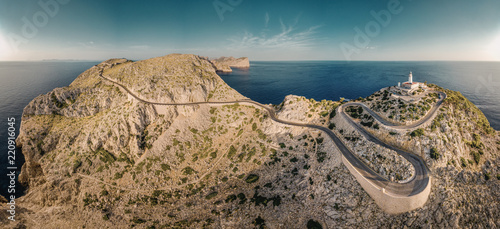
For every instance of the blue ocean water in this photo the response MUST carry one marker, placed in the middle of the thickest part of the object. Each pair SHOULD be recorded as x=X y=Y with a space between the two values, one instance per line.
x=266 y=82
x=270 y=82
x=20 y=83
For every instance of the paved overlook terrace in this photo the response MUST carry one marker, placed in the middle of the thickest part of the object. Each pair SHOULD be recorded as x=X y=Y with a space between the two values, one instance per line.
x=391 y=196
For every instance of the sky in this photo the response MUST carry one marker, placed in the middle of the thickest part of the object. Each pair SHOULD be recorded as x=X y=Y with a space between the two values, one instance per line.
x=378 y=30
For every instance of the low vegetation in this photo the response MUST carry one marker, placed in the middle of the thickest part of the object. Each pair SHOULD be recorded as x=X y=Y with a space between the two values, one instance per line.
x=252 y=178
x=434 y=153
x=417 y=133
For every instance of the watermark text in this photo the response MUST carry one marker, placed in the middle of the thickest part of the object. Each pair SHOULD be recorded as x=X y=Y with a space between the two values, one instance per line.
x=372 y=29
x=223 y=6
x=11 y=169
x=31 y=25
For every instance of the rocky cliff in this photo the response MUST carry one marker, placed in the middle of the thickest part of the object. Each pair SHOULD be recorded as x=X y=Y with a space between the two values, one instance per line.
x=101 y=154
x=224 y=64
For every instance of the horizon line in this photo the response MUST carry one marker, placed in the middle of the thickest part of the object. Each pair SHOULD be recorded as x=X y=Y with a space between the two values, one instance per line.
x=337 y=60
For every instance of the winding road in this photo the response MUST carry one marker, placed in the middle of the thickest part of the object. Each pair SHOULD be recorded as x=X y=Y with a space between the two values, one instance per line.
x=392 y=125
x=414 y=186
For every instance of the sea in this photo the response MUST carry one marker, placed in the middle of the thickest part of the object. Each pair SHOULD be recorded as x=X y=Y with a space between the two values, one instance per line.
x=265 y=82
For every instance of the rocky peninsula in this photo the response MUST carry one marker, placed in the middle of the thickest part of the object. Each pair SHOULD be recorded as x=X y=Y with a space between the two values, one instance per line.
x=224 y=64
x=109 y=152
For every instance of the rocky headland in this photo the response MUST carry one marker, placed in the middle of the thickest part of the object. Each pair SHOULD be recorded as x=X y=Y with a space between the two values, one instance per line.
x=99 y=156
x=224 y=64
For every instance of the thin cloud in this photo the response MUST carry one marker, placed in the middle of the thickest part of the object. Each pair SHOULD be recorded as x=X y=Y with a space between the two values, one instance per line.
x=266 y=19
x=142 y=47
x=89 y=44
x=289 y=37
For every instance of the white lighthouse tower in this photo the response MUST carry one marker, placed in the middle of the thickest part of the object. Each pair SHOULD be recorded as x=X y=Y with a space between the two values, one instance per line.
x=410 y=78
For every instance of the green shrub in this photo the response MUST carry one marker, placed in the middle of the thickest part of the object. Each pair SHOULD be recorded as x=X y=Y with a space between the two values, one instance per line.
x=188 y=170
x=476 y=156
x=333 y=113
x=261 y=135
x=118 y=175
x=77 y=164
x=252 y=178
x=100 y=169
x=104 y=193
x=137 y=220
x=368 y=124
x=434 y=154
x=230 y=198
x=211 y=195
x=417 y=133
x=232 y=152
x=58 y=103
x=487 y=176
x=242 y=198
x=106 y=156
x=476 y=142
x=123 y=158
x=259 y=223
x=320 y=156
x=165 y=167
x=312 y=224
x=463 y=162
x=331 y=126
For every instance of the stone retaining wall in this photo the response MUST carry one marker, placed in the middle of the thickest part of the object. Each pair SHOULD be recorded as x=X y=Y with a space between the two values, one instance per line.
x=390 y=203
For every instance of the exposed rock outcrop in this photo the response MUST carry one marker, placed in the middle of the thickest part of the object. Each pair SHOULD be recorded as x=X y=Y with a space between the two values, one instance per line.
x=224 y=64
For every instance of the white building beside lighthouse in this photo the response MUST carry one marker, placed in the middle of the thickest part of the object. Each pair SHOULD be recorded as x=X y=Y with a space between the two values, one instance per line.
x=409 y=86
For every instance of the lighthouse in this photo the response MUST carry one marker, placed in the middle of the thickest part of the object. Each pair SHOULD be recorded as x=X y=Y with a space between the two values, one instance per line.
x=409 y=87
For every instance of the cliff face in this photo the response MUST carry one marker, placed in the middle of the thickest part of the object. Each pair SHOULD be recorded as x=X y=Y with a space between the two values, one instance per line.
x=224 y=64
x=97 y=156
x=92 y=114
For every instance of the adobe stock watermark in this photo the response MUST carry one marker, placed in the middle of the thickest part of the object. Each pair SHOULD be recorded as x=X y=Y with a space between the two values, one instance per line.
x=221 y=7
x=32 y=25
x=372 y=29
x=487 y=83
